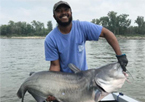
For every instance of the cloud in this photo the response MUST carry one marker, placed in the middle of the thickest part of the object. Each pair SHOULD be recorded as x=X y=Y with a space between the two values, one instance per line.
x=41 y=10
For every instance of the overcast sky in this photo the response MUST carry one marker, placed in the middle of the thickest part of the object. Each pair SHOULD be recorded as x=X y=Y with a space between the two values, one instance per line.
x=84 y=10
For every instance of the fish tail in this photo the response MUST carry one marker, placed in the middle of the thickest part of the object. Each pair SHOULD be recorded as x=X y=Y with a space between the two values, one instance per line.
x=21 y=92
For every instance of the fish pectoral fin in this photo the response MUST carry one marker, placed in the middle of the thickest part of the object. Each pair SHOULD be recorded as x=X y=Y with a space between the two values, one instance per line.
x=97 y=95
x=37 y=97
x=74 y=68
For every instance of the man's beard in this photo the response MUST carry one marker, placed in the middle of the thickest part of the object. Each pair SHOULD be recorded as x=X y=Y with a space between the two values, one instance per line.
x=64 y=24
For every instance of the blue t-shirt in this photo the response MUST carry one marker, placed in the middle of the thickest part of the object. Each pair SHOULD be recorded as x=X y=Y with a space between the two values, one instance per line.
x=70 y=48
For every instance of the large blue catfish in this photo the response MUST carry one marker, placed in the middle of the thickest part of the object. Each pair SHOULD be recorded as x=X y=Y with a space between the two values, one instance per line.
x=82 y=86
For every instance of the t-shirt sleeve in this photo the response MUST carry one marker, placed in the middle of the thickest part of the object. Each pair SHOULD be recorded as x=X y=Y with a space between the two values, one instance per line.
x=51 y=53
x=92 y=31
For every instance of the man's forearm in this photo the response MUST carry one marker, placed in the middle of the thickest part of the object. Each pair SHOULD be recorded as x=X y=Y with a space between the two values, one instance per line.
x=54 y=66
x=112 y=40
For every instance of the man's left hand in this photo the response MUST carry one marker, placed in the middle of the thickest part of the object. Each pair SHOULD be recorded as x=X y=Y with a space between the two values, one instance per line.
x=123 y=61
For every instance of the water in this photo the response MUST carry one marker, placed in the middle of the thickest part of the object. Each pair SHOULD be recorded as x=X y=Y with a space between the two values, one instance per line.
x=18 y=57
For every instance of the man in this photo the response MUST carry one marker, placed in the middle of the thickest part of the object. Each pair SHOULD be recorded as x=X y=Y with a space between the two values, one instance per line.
x=66 y=43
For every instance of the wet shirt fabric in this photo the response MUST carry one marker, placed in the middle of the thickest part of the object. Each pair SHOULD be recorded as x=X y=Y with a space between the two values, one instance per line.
x=70 y=48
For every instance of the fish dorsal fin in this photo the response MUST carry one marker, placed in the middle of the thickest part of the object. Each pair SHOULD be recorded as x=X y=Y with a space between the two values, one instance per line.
x=74 y=68
x=31 y=73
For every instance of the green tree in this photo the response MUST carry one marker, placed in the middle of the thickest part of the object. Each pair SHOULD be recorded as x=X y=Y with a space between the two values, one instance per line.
x=122 y=23
x=131 y=30
x=3 y=30
x=93 y=21
x=11 y=28
x=96 y=21
x=23 y=28
x=35 y=25
x=49 y=26
x=29 y=30
x=112 y=24
x=104 y=21
x=18 y=28
x=140 y=21
x=141 y=25
x=38 y=27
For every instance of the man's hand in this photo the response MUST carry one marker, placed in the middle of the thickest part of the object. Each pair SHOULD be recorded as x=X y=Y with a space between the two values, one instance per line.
x=123 y=61
x=51 y=98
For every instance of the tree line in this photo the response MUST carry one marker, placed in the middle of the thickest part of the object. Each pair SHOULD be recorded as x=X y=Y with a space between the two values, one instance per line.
x=36 y=28
x=118 y=24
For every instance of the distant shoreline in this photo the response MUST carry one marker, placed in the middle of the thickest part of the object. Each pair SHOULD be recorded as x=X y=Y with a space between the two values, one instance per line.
x=43 y=37
x=137 y=37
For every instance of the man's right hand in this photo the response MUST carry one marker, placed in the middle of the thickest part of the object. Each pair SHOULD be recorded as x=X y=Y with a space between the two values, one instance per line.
x=50 y=98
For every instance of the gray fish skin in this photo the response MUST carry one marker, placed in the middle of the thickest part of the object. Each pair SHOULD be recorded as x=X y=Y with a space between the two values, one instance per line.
x=110 y=77
x=68 y=87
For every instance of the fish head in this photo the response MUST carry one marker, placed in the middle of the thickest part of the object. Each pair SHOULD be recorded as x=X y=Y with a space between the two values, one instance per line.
x=110 y=77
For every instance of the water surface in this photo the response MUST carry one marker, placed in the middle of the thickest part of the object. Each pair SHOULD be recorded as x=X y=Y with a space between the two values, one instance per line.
x=18 y=57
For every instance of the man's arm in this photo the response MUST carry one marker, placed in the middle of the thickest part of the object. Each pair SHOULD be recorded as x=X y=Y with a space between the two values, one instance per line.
x=112 y=40
x=54 y=66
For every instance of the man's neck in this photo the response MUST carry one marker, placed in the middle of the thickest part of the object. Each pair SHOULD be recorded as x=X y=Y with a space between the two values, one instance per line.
x=66 y=29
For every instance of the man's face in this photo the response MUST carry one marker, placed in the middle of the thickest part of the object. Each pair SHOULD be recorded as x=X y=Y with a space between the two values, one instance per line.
x=63 y=15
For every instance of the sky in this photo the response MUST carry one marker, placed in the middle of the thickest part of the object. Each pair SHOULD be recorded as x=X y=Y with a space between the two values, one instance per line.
x=83 y=10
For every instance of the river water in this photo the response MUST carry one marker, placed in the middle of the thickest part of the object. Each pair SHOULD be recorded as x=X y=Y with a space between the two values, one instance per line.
x=19 y=57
